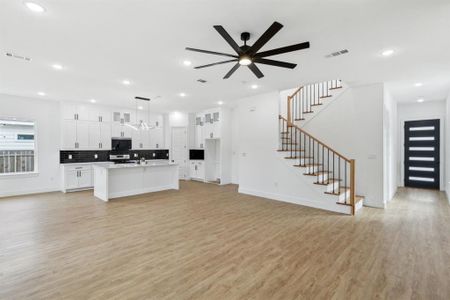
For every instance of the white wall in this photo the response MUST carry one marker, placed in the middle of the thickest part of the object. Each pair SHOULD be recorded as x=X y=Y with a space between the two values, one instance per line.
x=391 y=165
x=421 y=111
x=46 y=117
x=353 y=125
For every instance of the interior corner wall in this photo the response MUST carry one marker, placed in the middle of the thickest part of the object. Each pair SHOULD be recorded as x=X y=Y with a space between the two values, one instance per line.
x=234 y=146
x=47 y=120
x=447 y=148
x=353 y=125
x=391 y=165
x=422 y=111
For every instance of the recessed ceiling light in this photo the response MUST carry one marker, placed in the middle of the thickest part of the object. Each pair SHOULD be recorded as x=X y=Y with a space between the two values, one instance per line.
x=41 y=93
x=187 y=63
x=182 y=94
x=254 y=86
x=140 y=107
x=57 y=67
x=93 y=100
x=420 y=100
x=34 y=7
x=387 y=52
x=126 y=82
x=220 y=102
x=418 y=84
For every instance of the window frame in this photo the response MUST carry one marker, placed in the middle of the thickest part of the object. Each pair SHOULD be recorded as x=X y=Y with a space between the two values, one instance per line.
x=35 y=172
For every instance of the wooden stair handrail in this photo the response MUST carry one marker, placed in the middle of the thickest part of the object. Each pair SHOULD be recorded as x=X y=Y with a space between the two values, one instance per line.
x=291 y=124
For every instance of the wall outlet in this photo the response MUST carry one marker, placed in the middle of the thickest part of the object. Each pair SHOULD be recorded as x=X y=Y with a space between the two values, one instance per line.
x=135 y=155
x=96 y=156
x=70 y=156
x=154 y=154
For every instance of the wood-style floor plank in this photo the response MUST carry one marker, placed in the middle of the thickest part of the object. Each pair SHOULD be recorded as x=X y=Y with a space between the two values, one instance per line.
x=209 y=242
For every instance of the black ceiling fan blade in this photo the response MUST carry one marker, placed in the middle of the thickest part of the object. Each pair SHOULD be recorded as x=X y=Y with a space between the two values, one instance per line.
x=211 y=52
x=228 y=38
x=265 y=37
x=275 y=63
x=282 y=50
x=256 y=70
x=217 y=63
x=233 y=69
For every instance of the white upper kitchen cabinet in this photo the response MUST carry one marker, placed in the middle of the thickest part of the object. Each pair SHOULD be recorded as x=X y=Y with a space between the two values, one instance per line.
x=75 y=135
x=99 y=136
x=140 y=139
x=156 y=120
x=156 y=138
x=121 y=131
x=72 y=111
x=99 y=114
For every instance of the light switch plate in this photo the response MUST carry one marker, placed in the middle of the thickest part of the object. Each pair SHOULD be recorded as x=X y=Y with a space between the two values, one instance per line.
x=135 y=155
x=95 y=156
x=70 y=156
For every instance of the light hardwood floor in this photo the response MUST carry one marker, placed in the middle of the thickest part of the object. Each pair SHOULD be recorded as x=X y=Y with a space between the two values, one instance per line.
x=209 y=242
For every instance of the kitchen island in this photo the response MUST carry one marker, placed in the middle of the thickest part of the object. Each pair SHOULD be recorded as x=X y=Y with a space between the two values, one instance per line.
x=121 y=180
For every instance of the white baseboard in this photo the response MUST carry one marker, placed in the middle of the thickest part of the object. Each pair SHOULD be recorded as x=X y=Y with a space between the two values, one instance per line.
x=343 y=209
x=28 y=192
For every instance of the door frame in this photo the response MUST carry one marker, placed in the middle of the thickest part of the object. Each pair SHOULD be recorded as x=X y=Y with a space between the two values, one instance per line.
x=401 y=133
x=186 y=166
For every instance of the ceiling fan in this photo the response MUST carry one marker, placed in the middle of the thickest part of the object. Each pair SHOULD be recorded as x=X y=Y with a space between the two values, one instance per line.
x=248 y=55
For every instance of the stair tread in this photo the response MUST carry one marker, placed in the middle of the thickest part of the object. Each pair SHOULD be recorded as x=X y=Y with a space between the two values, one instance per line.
x=301 y=119
x=317 y=104
x=317 y=173
x=336 y=88
x=327 y=182
x=342 y=190
x=308 y=112
x=293 y=157
x=322 y=97
x=293 y=150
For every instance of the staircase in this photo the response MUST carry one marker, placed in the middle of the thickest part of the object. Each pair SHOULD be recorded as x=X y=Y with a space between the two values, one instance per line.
x=330 y=169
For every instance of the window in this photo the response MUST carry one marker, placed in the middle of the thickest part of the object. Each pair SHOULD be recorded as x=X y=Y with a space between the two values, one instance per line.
x=17 y=146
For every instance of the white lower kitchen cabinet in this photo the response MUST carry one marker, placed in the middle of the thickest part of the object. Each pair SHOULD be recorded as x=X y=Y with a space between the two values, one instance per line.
x=197 y=170
x=76 y=177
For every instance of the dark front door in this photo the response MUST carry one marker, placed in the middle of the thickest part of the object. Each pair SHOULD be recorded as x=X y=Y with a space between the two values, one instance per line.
x=422 y=154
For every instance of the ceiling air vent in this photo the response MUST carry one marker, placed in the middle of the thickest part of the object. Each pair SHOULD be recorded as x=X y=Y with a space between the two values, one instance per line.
x=337 y=53
x=201 y=80
x=13 y=55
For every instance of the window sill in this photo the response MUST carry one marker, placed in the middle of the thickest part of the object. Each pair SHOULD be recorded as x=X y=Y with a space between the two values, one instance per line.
x=19 y=175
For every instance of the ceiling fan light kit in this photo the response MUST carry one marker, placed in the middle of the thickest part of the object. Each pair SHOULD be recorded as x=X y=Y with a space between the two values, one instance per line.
x=248 y=55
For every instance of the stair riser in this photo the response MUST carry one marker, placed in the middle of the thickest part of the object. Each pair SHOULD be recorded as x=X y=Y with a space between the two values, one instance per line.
x=344 y=196
x=322 y=177
x=313 y=169
x=332 y=187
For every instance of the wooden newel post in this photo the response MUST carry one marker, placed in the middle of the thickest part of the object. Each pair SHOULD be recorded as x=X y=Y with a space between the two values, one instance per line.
x=352 y=185
x=289 y=110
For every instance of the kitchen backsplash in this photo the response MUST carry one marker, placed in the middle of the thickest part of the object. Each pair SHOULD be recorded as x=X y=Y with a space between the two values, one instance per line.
x=67 y=157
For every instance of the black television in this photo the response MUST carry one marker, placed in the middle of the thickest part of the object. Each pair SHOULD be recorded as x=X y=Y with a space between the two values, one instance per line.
x=121 y=145
x=195 y=154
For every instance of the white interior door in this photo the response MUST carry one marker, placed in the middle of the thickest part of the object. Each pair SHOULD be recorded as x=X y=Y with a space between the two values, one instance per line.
x=179 y=150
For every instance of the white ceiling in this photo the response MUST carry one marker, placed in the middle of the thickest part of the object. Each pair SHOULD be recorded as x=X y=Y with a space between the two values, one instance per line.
x=102 y=42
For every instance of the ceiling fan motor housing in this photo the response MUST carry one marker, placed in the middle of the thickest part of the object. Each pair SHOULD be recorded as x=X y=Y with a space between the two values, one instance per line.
x=245 y=36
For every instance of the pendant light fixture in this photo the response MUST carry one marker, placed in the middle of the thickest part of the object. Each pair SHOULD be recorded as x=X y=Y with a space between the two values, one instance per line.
x=141 y=125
